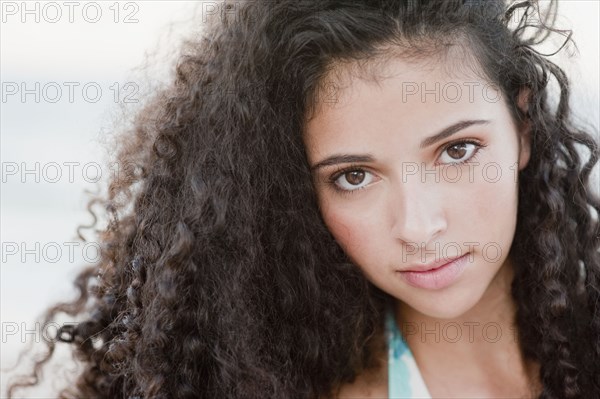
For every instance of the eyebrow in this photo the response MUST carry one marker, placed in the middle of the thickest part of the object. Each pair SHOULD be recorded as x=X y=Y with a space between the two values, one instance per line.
x=446 y=132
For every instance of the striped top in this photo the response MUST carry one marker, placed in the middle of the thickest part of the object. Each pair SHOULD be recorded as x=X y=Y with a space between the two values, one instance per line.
x=404 y=378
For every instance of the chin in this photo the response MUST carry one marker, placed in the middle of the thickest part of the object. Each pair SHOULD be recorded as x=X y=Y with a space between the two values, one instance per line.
x=448 y=307
x=447 y=314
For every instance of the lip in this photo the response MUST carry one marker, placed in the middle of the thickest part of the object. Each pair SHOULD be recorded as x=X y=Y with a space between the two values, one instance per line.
x=437 y=277
x=433 y=265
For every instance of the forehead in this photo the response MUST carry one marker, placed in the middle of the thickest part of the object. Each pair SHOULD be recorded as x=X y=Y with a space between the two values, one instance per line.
x=410 y=97
x=417 y=61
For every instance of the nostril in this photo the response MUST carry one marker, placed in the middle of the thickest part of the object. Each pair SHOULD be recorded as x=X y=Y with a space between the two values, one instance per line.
x=411 y=247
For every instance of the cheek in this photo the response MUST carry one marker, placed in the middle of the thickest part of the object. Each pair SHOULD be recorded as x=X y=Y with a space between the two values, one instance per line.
x=349 y=230
x=493 y=212
x=497 y=199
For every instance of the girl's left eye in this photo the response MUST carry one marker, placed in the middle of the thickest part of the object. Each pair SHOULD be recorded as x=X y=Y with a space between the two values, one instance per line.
x=460 y=152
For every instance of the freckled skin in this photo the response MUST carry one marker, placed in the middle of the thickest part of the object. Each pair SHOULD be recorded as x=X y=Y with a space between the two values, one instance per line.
x=374 y=225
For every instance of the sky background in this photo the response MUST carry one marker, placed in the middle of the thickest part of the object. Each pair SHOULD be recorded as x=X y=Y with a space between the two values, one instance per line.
x=104 y=45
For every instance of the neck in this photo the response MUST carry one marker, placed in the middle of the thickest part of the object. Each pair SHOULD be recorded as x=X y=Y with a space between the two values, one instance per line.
x=478 y=346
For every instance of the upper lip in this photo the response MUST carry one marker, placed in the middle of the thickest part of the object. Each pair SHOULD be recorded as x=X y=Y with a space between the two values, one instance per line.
x=420 y=267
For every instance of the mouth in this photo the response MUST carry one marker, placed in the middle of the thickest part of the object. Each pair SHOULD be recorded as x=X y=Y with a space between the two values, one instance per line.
x=431 y=266
x=435 y=276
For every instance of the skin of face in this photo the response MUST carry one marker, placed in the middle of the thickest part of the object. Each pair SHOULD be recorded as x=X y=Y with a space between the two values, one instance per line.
x=414 y=205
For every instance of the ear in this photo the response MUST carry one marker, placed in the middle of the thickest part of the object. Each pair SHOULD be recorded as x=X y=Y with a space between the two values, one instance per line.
x=524 y=128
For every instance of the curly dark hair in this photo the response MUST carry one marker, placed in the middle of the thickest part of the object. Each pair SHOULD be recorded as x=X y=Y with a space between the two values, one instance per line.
x=218 y=277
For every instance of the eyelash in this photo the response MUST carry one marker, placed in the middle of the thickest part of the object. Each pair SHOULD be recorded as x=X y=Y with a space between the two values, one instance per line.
x=357 y=168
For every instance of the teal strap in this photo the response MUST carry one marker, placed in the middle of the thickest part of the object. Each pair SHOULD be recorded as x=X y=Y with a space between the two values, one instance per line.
x=398 y=372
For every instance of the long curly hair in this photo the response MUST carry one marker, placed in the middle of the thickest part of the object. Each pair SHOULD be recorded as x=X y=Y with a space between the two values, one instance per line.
x=218 y=277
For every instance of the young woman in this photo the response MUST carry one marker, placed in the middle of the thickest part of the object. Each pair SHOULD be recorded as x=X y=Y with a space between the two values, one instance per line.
x=350 y=199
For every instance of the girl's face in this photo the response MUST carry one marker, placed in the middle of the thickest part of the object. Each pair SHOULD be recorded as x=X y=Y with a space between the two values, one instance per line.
x=416 y=170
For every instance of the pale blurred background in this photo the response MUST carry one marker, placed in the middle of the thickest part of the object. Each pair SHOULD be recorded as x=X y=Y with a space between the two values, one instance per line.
x=71 y=131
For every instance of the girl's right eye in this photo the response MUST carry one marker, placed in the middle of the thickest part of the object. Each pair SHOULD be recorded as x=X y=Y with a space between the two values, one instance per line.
x=351 y=179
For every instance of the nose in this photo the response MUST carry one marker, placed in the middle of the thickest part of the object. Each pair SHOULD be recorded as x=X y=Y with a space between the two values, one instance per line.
x=417 y=212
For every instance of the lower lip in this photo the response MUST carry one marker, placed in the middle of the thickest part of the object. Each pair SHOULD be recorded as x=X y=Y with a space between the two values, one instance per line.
x=439 y=278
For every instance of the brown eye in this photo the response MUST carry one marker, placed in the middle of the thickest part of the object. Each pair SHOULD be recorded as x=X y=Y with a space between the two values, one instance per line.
x=355 y=177
x=457 y=151
x=351 y=179
x=460 y=152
